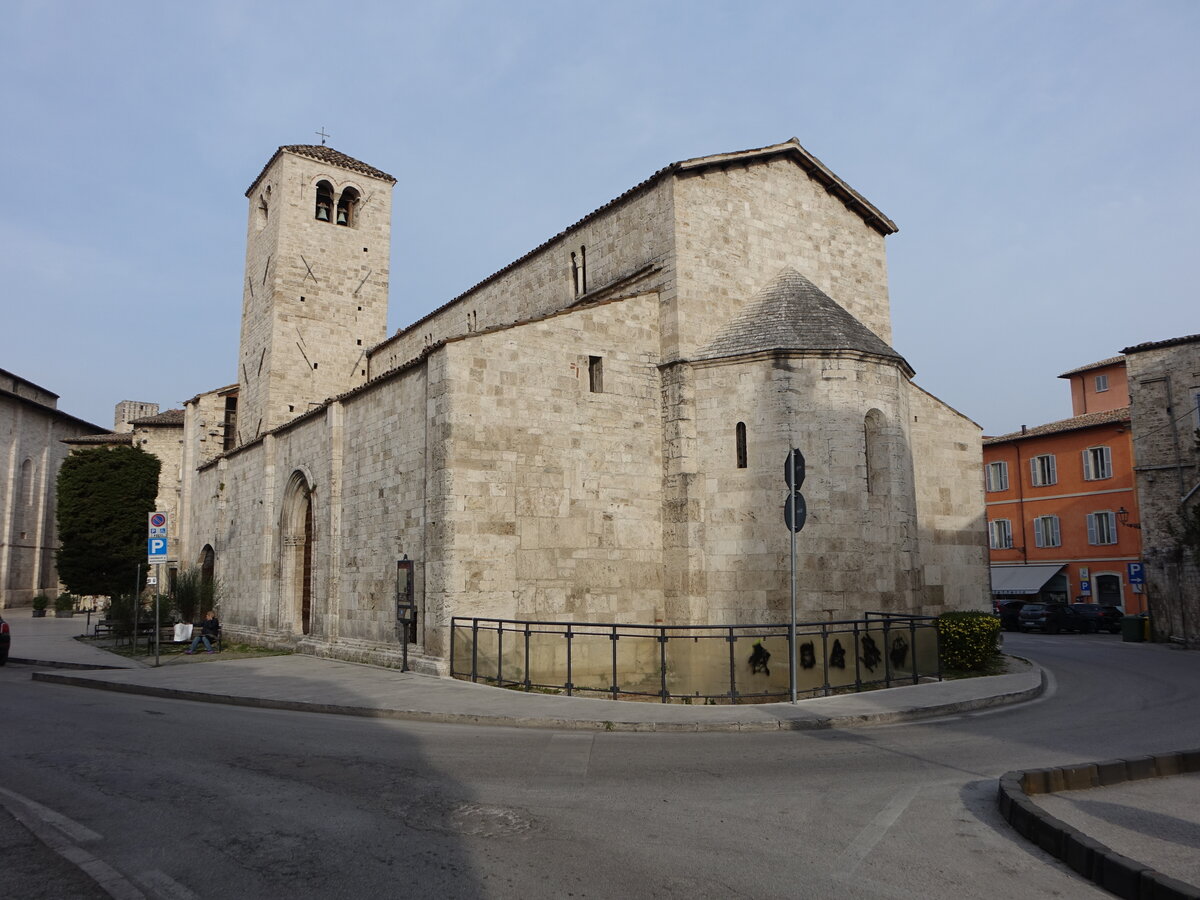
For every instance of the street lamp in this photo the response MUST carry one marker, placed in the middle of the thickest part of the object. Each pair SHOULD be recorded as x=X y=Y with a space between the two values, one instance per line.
x=1123 y=518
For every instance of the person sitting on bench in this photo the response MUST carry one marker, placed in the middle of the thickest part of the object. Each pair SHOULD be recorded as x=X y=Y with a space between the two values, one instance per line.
x=210 y=630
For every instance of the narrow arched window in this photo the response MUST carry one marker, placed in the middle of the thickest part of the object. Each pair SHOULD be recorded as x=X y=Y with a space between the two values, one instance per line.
x=874 y=452
x=347 y=203
x=324 y=208
x=739 y=438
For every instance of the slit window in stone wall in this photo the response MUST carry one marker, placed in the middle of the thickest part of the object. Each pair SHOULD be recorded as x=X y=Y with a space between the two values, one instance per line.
x=739 y=439
x=596 y=374
x=579 y=271
x=874 y=452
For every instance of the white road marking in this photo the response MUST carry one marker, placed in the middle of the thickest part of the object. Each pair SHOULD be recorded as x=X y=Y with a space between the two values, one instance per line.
x=47 y=826
x=853 y=855
x=163 y=886
x=69 y=827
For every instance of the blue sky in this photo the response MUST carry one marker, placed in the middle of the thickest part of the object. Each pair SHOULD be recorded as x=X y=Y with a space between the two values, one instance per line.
x=1040 y=159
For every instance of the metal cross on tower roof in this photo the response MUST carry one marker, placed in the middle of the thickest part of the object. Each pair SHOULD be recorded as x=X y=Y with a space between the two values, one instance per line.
x=322 y=135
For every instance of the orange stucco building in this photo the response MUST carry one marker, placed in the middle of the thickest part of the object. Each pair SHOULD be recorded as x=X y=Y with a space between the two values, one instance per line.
x=1061 y=502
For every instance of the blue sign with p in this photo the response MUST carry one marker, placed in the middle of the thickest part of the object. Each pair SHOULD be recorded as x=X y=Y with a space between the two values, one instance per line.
x=156 y=549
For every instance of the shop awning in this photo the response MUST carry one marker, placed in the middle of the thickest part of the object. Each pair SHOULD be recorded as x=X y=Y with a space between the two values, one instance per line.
x=1019 y=581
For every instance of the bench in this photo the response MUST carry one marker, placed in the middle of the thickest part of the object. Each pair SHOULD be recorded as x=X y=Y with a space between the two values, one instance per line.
x=216 y=641
x=109 y=626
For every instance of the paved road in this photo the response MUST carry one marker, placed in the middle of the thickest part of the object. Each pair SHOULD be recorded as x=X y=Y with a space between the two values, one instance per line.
x=186 y=799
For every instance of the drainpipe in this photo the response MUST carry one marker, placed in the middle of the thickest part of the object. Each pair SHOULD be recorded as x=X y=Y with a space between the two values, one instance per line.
x=1021 y=500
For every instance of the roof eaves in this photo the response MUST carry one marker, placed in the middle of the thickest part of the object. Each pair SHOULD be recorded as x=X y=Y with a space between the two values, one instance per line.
x=330 y=157
x=1169 y=342
x=1111 y=361
x=813 y=166
x=1076 y=423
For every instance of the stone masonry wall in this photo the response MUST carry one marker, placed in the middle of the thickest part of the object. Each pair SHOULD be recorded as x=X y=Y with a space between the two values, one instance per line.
x=1164 y=383
x=620 y=241
x=549 y=495
x=858 y=550
x=31 y=454
x=166 y=443
x=738 y=227
x=947 y=451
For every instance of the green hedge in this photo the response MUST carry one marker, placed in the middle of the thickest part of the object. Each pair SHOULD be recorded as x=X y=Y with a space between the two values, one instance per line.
x=968 y=640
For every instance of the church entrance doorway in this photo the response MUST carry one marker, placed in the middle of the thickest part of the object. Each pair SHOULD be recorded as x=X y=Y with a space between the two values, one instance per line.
x=297 y=548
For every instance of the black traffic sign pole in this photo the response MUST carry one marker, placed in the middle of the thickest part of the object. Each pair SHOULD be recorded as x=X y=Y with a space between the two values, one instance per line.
x=795 y=512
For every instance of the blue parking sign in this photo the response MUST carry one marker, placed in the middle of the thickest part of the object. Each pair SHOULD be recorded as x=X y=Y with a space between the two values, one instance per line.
x=156 y=549
x=1137 y=573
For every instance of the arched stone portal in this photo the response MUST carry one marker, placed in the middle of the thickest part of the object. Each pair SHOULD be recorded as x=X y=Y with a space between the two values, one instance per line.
x=297 y=546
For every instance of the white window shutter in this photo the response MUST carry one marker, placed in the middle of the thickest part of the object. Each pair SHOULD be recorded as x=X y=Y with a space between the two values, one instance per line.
x=1087 y=468
x=1052 y=471
x=1057 y=535
x=1091 y=523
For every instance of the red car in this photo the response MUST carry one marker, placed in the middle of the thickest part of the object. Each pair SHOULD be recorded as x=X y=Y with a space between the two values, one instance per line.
x=5 y=640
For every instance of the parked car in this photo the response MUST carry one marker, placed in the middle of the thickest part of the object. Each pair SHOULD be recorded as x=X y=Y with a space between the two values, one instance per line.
x=1009 y=612
x=5 y=641
x=1052 y=618
x=1102 y=618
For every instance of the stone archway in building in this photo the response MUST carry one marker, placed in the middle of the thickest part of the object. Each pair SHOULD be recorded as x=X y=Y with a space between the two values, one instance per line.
x=297 y=547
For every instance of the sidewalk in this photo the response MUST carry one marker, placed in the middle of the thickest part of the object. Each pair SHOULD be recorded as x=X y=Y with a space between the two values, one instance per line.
x=329 y=686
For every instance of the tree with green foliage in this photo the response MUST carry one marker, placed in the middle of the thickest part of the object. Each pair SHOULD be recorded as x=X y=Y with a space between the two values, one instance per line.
x=104 y=497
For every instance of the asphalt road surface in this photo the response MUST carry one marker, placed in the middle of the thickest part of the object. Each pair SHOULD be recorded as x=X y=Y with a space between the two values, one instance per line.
x=170 y=799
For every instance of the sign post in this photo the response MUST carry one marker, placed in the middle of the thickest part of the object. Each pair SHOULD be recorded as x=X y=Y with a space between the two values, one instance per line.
x=156 y=549
x=795 y=514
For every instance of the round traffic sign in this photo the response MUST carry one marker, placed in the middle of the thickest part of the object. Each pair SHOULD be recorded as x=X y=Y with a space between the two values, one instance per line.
x=795 y=511
x=158 y=520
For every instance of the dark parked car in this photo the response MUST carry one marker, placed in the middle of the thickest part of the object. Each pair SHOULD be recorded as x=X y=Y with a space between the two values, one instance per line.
x=1052 y=618
x=1101 y=618
x=1008 y=612
x=5 y=640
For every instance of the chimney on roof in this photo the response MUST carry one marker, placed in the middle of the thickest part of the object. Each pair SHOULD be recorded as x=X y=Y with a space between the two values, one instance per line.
x=1024 y=430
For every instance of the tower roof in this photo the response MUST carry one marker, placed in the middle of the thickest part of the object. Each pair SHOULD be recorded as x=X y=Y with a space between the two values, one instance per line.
x=792 y=313
x=324 y=154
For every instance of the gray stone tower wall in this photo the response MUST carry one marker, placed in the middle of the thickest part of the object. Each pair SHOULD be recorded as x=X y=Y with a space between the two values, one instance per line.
x=1164 y=382
x=315 y=293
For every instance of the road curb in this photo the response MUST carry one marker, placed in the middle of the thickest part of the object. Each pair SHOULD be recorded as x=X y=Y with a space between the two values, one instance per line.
x=811 y=720
x=1093 y=860
x=52 y=664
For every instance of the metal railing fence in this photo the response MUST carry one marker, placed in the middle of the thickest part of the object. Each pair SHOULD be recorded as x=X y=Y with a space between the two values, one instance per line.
x=690 y=663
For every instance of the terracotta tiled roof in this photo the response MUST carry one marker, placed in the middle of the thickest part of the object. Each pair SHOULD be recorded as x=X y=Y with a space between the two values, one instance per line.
x=1076 y=423
x=170 y=417
x=1111 y=361
x=1169 y=342
x=792 y=313
x=324 y=154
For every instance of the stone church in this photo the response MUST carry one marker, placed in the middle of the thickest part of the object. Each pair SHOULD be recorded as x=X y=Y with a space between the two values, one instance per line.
x=596 y=432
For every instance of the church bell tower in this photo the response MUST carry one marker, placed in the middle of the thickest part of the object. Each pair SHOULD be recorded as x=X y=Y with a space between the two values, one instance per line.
x=314 y=299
